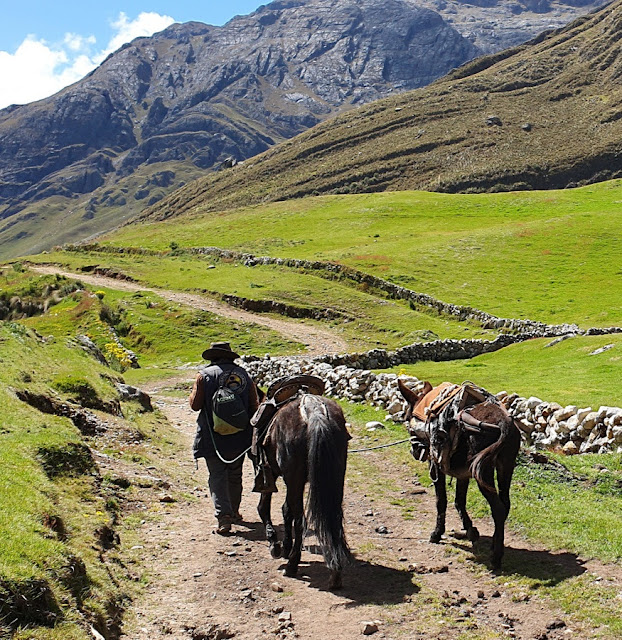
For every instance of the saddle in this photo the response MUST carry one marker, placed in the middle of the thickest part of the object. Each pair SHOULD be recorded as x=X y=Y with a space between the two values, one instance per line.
x=284 y=388
x=445 y=409
x=280 y=393
x=435 y=400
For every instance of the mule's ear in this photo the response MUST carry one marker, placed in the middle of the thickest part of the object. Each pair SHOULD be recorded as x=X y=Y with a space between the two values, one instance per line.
x=409 y=395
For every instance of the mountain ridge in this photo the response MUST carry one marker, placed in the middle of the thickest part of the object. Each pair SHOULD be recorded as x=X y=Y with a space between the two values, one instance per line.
x=188 y=98
x=546 y=114
x=162 y=111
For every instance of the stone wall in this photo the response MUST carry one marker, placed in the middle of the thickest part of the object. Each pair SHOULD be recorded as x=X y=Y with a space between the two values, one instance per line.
x=543 y=424
x=530 y=328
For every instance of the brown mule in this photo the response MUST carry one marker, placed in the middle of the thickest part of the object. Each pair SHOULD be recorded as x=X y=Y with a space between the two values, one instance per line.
x=307 y=443
x=474 y=443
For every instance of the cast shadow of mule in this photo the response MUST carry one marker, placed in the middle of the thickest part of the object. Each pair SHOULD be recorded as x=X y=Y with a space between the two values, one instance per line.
x=364 y=582
x=548 y=568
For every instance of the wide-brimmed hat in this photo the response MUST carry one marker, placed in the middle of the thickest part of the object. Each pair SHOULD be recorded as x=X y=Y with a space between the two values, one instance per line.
x=220 y=350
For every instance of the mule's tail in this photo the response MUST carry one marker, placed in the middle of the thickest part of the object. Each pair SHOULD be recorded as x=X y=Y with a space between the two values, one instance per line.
x=487 y=458
x=328 y=450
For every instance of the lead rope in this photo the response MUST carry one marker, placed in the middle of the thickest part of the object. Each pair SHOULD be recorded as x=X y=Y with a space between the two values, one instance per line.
x=381 y=446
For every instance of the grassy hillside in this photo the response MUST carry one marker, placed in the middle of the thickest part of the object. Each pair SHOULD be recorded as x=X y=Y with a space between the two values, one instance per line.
x=59 y=515
x=552 y=256
x=544 y=115
x=364 y=318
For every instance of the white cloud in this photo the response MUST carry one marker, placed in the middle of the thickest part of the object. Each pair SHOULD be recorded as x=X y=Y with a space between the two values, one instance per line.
x=38 y=69
x=146 y=24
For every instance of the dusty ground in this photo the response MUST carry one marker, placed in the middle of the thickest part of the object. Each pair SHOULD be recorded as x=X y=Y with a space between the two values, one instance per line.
x=202 y=585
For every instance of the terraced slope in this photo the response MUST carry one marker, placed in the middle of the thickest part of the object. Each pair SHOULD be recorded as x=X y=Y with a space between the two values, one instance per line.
x=544 y=115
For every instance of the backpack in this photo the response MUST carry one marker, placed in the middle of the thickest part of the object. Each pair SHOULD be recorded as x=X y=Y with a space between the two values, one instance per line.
x=229 y=413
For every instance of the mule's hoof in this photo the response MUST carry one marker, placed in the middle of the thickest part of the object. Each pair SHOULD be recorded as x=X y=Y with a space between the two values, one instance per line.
x=436 y=537
x=290 y=572
x=276 y=550
x=473 y=534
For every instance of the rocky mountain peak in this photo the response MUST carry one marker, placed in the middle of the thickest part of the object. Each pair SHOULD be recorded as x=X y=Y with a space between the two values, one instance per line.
x=190 y=97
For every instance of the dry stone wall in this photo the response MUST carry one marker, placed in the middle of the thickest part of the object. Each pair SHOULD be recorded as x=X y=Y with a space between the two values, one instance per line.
x=526 y=328
x=543 y=424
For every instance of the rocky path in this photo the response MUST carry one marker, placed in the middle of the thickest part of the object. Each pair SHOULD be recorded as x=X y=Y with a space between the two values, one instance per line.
x=204 y=586
x=317 y=340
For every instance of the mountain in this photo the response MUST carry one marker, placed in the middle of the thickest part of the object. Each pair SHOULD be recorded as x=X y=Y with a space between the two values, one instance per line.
x=544 y=115
x=494 y=25
x=162 y=110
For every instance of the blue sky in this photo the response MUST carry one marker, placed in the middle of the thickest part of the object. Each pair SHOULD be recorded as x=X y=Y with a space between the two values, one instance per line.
x=45 y=45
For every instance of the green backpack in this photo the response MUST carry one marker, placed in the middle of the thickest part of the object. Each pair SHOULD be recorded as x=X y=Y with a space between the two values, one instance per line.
x=229 y=412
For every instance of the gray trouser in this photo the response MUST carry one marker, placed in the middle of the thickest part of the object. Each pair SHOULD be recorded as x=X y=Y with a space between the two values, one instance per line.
x=225 y=485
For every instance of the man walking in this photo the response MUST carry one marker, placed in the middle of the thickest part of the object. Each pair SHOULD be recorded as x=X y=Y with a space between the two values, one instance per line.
x=226 y=397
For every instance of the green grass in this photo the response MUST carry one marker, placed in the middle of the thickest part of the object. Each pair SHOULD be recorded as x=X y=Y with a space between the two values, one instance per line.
x=565 y=372
x=544 y=255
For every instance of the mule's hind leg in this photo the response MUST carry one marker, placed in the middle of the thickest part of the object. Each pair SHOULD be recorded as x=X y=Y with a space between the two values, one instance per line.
x=499 y=515
x=505 y=470
x=264 y=510
x=462 y=487
x=335 y=581
x=288 y=521
x=293 y=513
x=440 y=488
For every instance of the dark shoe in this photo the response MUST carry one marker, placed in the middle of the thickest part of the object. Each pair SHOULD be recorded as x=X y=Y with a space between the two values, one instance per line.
x=237 y=518
x=224 y=525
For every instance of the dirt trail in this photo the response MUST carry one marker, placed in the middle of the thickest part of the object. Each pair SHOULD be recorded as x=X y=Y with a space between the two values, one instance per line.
x=204 y=586
x=318 y=341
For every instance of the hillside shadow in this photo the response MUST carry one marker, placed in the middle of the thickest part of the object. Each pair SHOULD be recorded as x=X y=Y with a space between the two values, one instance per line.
x=549 y=568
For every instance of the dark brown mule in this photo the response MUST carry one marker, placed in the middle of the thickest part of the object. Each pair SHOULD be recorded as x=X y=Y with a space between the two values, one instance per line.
x=477 y=452
x=307 y=442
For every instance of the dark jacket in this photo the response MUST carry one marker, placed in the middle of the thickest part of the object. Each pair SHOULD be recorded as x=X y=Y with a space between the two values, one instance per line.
x=206 y=384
